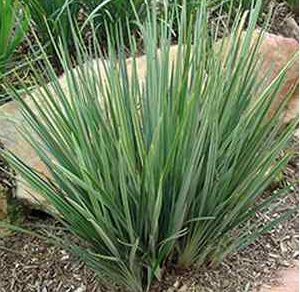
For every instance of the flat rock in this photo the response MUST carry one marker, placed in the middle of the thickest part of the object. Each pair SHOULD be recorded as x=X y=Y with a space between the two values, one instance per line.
x=275 y=50
x=13 y=141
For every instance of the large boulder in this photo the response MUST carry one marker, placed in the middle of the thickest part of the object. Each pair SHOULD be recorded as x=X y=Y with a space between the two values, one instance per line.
x=276 y=51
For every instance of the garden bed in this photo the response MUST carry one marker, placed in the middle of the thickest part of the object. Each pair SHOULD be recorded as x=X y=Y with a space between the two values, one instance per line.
x=29 y=264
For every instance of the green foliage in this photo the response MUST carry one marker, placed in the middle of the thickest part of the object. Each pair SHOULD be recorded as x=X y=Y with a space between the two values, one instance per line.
x=244 y=4
x=124 y=12
x=168 y=166
x=294 y=4
x=106 y=12
x=53 y=15
x=14 y=22
x=241 y=5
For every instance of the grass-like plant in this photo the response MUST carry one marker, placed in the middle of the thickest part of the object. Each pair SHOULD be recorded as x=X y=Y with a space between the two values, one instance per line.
x=14 y=23
x=162 y=167
x=111 y=11
x=53 y=15
x=102 y=12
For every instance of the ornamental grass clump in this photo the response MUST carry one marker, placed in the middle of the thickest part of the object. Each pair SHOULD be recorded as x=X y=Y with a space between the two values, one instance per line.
x=165 y=166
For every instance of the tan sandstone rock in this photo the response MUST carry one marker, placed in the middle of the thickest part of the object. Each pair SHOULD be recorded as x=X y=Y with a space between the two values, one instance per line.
x=277 y=50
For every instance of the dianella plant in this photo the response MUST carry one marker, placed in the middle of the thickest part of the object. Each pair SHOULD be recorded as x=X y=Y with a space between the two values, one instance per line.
x=161 y=158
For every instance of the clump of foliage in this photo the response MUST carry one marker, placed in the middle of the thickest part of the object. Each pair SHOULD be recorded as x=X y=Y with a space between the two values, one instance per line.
x=235 y=6
x=162 y=167
x=126 y=11
x=53 y=16
x=112 y=11
x=14 y=22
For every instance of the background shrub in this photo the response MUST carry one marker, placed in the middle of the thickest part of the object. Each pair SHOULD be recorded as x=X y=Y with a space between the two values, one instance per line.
x=14 y=22
x=52 y=15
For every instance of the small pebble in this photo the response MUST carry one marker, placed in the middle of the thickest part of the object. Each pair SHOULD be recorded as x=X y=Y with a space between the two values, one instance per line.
x=176 y=284
x=184 y=288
